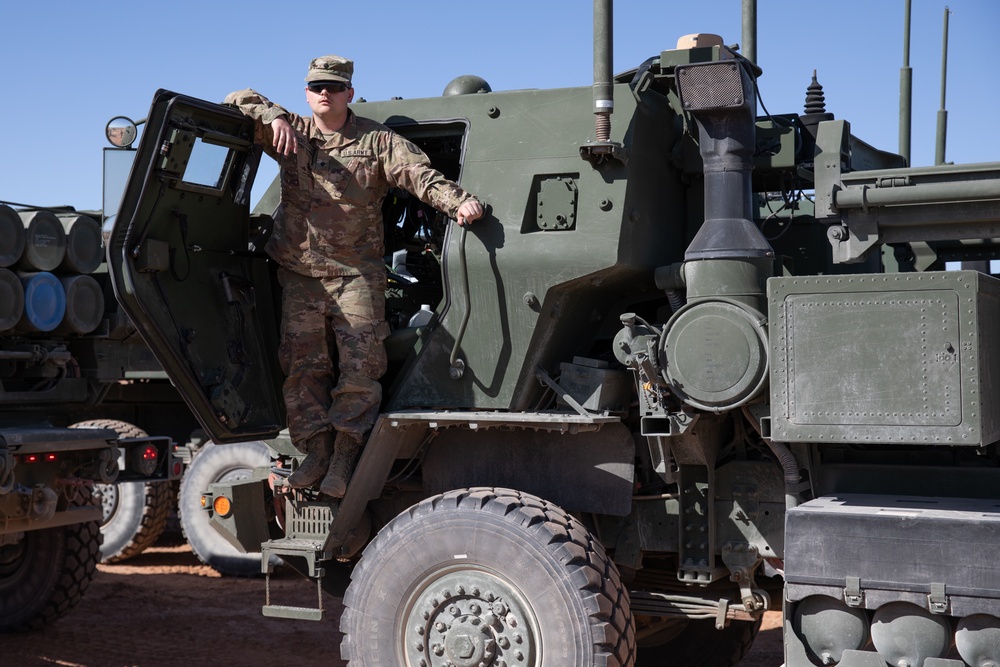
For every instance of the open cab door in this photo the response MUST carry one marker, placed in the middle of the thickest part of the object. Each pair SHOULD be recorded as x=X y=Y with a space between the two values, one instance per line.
x=186 y=271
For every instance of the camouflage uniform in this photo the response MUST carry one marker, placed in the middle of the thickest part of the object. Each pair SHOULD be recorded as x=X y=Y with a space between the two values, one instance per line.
x=328 y=241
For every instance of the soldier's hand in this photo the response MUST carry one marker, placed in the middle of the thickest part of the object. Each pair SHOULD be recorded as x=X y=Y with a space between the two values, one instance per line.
x=469 y=211
x=284 y=136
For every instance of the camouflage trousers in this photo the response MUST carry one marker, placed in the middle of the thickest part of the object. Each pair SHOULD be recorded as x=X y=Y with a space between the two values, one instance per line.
x=320 y=318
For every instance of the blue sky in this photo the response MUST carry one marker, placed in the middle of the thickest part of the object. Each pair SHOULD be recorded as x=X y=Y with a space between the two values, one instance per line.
x=69 y=66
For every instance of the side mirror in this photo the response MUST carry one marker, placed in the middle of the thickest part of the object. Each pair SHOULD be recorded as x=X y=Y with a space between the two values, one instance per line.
x=121 y=131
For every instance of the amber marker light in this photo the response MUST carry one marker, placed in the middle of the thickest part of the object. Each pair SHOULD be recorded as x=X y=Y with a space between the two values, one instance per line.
x=222 y=506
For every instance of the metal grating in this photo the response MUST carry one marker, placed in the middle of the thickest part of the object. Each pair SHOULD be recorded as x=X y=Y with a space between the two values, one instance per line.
x=309 y=520
x=717 y=85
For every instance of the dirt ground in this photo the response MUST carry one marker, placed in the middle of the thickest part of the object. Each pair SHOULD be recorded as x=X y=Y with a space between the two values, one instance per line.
x=164 y=607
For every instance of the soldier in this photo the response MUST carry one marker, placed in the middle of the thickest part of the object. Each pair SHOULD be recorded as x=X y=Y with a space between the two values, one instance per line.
x=336 y=168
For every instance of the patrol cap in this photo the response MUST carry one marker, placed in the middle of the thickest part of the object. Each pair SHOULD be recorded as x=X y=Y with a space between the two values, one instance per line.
x=330 y=68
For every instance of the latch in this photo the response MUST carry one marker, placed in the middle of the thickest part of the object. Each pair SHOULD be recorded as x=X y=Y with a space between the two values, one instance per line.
x=937 y=601
x=853 y=595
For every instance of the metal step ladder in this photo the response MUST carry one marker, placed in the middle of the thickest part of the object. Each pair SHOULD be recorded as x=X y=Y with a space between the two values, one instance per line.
x=308 y=524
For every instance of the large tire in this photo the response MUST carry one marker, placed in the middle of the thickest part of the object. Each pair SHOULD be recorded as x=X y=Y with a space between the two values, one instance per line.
x=46 y=573
x=135 y=513
x=483 y=576
x=698 y=643
x=218 y=463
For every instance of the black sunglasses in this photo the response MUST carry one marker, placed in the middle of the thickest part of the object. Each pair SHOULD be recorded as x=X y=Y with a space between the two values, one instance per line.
x=319 y=87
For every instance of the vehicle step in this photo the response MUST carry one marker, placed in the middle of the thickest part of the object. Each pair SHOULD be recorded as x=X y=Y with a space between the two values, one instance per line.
x=297 y=613
x=311 y=550
x=286 y=611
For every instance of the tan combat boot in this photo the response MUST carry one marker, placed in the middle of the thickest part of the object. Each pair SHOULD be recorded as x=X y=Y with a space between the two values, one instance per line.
x=345 y=451
x=318 y=449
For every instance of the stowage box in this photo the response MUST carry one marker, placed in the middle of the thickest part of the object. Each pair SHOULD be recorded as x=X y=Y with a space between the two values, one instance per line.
x=867 y=550
x=907 y=358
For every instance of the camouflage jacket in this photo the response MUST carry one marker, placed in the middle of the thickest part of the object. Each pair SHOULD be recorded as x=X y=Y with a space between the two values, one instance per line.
x=332 y=189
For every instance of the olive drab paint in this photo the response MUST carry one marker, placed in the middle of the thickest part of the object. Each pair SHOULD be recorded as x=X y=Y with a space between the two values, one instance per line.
x=711 y=365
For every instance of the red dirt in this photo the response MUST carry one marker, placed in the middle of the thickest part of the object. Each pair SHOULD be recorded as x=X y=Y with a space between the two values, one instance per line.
x=164 y=607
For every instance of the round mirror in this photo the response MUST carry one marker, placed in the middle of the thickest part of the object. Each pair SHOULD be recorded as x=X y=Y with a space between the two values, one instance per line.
x=120 y=131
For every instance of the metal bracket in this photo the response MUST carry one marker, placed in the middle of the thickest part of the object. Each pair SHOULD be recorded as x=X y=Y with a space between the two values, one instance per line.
x=597 y=152
x=697 y=534
x=546 y=379
x=937 y=601
x=742 y=559
x=853 y=595
x=720 y=617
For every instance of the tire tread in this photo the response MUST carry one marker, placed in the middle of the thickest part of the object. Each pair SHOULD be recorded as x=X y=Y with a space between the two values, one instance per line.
x=588 y=567
x=81 y=545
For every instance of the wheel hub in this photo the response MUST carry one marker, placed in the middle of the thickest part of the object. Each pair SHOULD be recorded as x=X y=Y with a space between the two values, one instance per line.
x=108 y=494
x=469 y=618
x=469 y=643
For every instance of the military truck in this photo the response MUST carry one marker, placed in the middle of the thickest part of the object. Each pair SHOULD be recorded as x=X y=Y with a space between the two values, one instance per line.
x=60 y=367
x=695 y=364
x=69 y=359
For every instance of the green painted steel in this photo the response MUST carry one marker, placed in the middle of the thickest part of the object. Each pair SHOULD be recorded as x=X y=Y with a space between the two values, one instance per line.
x=930 y=337
x=682 y=325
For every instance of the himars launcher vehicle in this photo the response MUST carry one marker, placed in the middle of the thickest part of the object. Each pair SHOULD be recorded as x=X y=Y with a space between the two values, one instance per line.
x=72 y=382
x=693 y=365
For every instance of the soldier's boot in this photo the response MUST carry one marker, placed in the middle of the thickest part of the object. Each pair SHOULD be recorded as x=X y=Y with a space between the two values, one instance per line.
x=318 y=449
x=345 y=452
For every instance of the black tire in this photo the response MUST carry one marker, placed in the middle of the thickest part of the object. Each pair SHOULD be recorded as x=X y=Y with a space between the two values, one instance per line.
x=698 y=643
x=439 y=574
x=218 y=463
x=135 y=513
x=46 y=573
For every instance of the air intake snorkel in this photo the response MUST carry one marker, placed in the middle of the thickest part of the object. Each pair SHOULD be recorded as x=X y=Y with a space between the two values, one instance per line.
x=714 y=349
x=719 y=97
